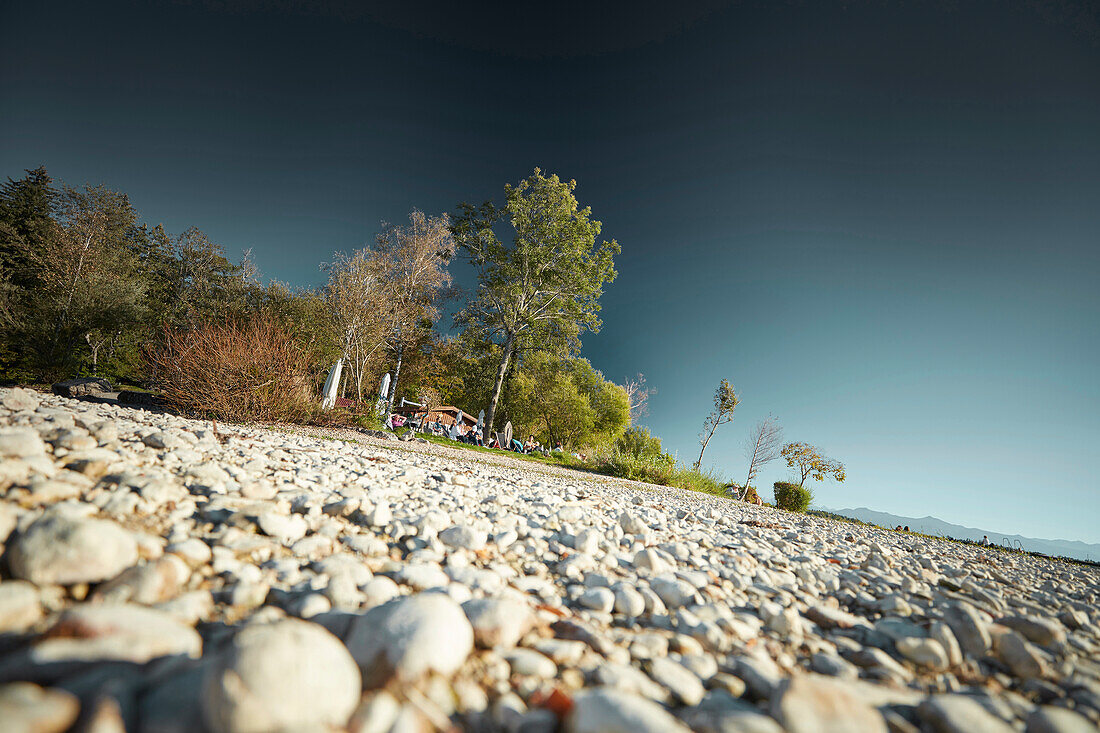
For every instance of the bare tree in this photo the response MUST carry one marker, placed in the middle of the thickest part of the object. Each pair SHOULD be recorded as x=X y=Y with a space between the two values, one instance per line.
x=639 y=393
x=764 y=445
x=354 y=296
x=413 y=262
x=725 y=401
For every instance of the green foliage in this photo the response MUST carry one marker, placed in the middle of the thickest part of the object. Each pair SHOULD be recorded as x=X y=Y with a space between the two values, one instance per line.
x=567 y=401
x=543 y=290
x=725 y=402
x=811 y=463
x=706 y=481
x=792 y=497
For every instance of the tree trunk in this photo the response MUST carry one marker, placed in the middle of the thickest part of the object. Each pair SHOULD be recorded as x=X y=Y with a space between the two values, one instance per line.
x=699 y=461
x=396 y=376
x=506 y=357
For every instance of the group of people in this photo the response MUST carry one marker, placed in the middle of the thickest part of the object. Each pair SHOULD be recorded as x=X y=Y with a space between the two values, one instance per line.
x=475 y=435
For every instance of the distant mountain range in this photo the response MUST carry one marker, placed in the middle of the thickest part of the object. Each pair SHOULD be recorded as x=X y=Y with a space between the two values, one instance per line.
x=938 y=527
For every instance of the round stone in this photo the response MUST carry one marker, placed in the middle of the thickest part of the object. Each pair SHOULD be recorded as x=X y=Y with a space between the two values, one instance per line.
x=408 y=637
x=58 y=550
x=287 y=675
x=612 y=711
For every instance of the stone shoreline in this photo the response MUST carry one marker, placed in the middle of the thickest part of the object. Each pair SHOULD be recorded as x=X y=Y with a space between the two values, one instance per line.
x=158 y=575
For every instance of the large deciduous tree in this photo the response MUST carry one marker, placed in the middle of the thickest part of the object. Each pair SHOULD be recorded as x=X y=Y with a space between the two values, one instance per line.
x=810 y=462
x=543 y=288
x=725 y=402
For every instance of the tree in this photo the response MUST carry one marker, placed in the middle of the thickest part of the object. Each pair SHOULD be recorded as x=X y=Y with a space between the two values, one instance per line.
x=725 y=401
x=412 y=264
x=764 y=445
x=638 y=393
x=550 y=403
x=809 y=462
x=543 y=289
x=26 y=224
x=87 y=281
x=567 y=400
x=353 y=295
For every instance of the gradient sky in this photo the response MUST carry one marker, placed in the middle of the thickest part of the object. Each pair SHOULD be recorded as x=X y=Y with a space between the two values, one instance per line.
x=880 y=221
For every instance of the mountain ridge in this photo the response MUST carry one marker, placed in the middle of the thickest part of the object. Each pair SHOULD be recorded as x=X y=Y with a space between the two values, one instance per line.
x=936 y=526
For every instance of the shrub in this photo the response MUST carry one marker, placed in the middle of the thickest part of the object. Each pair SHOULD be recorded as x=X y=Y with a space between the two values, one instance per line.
x=792 y=497
x=706 y=480
x=638 y=443
x=234 y=371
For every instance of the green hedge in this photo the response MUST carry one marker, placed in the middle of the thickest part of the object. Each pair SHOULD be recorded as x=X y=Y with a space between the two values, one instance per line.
x=792 y=497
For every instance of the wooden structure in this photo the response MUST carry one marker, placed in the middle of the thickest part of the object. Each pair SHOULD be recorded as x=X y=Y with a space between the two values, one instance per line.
x=445 y=415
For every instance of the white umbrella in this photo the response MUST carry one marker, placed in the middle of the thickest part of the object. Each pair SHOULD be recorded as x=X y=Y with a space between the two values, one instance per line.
x=380 y=405
x=332 y=385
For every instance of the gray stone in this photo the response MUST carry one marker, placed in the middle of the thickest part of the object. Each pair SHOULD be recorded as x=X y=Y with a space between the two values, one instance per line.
x=1053 y=719
x=529 y=662
x=20 y=443
x=612 y=711
x=1042 y=631
x=287 y=675
x=927 y=653
x=82 y=387
x=147 y=584
x=119 y=632
x=18 y=399
x=1019 y=655
x=463 y=537
x=598 y=599
x=60 y=551
x=28 y=707
x=282 y=527
x=681 y=682
x=408 y=637
x=497 y=621
x=959 y=714
x=816 y=704
x=971 y=631
x=19 y=606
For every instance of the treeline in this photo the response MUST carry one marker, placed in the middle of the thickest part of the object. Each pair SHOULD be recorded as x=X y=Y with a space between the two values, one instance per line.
x=87 y=288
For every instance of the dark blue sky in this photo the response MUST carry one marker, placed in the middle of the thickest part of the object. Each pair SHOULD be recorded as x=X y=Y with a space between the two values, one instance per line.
x=880 y=221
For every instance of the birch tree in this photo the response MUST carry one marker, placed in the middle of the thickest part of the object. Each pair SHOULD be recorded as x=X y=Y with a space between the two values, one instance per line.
x=353 y=296
x=543 y=288
x=412 y=262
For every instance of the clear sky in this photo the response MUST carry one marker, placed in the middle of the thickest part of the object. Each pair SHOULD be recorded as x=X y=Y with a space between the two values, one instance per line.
x=880 y=221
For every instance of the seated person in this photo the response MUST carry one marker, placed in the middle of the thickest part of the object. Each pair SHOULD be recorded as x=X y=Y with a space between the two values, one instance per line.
x=559 y=448
x=476 y=439
x=493 y=442
x=530 y=445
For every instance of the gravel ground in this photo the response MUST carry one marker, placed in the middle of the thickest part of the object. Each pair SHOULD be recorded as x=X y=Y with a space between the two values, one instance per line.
x=160 y=575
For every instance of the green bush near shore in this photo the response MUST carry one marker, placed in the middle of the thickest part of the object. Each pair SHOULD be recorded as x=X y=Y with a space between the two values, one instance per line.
x=792 y=497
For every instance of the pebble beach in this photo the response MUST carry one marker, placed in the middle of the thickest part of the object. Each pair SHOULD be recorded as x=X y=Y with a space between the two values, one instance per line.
x=164 y=574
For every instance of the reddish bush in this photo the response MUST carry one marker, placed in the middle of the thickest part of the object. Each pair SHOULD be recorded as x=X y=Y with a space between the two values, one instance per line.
x=237 y=370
